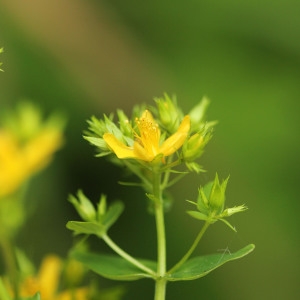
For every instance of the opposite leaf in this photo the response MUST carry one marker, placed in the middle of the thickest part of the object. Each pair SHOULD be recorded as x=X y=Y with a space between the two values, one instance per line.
x=113 y=267
x=86 y=228
x=202 y=265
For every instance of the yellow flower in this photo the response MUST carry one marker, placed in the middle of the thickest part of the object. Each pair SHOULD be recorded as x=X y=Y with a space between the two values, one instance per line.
x=47 y=281
x=19 y=161
x=147 y=145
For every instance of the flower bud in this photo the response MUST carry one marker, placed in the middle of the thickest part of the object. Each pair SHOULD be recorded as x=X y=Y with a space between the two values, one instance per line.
x=197 y=114
x=170 y=115
x=217 y=195
x=193 y=148
x=84 y=207
x=125 y=125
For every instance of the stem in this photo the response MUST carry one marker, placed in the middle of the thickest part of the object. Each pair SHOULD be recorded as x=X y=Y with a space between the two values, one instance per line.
x=160 y=286
x=192 y=248
x=10 y=261
x=126 y=256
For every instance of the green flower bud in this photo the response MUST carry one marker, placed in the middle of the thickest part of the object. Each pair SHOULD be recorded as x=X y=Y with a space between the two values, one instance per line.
x=197 y=114
x=169 y=113
x=125 y=125
x=193 y=148
x=84 y=206
x=217 y=195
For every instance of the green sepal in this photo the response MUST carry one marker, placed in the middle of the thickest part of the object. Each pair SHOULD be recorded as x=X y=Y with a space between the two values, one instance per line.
x=227 y=223
x=197 y=113
x=200 y=266
x=194 y=167
x=96 y=141
x=113 y=267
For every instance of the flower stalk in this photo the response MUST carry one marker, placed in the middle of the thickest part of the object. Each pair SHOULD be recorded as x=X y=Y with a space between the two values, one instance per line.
x=192 y=248
x=126 y=256
x=160 y=286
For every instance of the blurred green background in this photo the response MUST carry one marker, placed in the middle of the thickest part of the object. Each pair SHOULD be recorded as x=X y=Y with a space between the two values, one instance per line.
x=90 y=57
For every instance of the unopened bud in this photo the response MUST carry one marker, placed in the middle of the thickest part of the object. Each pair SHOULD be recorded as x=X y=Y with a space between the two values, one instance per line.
x=217 y=194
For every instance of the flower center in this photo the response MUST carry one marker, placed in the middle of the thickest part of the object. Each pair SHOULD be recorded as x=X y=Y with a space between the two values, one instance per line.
x=149 y=133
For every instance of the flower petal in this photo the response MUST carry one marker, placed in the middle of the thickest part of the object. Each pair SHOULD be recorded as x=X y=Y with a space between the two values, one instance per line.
x=176 y=140
x=142 y=153
x=119 y=148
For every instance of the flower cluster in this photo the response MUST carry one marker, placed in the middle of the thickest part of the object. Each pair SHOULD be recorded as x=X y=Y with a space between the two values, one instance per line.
x=152 y=144
x=154 y=135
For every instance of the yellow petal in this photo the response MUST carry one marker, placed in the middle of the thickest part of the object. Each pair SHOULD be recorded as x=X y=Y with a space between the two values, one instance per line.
x=119 y=148
x=77 y=294
x=141 y=152
x=175 y=141
x=48 y=276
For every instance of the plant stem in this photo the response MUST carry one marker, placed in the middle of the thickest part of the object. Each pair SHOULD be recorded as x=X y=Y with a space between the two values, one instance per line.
x=160 y=286
x=126 y=256
x=10 y=261
x=192 y=248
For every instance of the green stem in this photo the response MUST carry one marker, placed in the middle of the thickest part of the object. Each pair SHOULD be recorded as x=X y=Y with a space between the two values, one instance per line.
x=126 y=256
x=160 y=286
x=11 y=263
x=192 y=248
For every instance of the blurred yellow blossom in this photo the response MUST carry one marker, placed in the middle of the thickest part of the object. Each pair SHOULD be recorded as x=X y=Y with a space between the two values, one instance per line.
x=147 y=145
x=22 y=155
x=47 y=282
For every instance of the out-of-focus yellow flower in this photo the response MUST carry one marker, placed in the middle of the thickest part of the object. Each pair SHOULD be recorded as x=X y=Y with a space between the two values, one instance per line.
x=25 y=150
x=46 y=282
x=147 y=145
x=20 y=161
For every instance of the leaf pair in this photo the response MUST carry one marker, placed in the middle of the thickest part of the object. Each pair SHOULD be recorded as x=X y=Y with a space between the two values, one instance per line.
x=116 y=268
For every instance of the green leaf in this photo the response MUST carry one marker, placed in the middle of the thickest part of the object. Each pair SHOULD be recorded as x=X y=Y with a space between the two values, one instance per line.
x=113 y=213
x=37 y=296
x=197 y=215
x=202 y=265
x=3 y=291
x=86 y=228
x=113 y=267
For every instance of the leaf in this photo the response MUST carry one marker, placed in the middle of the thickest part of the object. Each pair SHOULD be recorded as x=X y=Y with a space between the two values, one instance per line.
x=202 y=265
x=86 y=228
x=197 y=215
x=112 y=214
x=3 y=291
x=113 y=267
